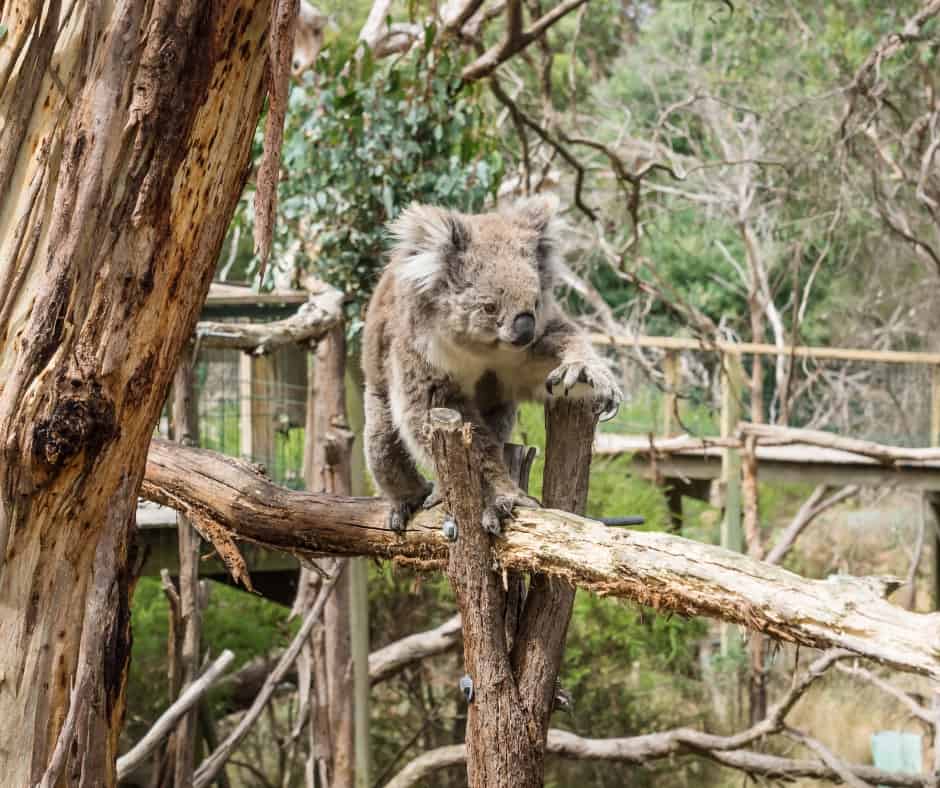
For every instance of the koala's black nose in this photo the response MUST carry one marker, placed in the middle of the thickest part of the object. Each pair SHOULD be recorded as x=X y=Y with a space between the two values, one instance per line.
x=523 y=329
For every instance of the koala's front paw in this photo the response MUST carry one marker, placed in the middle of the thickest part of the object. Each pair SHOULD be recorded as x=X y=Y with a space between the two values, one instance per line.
x=434 y=497
x=603 y=388
x=500 y=508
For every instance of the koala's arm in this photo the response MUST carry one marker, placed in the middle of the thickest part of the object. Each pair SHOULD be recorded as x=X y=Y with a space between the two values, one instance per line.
x=572 y=368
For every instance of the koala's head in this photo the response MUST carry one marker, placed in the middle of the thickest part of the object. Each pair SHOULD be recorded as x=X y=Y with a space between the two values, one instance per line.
x=484 y=280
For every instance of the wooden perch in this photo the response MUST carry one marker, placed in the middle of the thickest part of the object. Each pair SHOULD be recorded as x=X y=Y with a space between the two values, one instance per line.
x=666 y=572
x=322 y=311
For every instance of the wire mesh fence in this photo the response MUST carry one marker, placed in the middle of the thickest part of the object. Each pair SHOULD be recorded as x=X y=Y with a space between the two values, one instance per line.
x=886 y=398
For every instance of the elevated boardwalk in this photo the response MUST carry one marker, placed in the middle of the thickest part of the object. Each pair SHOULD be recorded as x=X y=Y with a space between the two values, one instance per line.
x=792 y=462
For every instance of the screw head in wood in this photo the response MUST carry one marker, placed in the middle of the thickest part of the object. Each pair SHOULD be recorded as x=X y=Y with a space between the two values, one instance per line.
x=450 y=529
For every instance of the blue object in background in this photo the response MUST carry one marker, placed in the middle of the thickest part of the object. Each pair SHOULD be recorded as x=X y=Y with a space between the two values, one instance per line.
x=894 y=751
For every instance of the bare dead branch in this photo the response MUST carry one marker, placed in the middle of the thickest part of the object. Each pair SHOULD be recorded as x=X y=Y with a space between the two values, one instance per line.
x=812 y=507
x=916 y=710
x=843 y=771
x=515 y=38
x=686 y=741
x=664 y=571
x=888 y=455
x=391 y=659
x=313 y=320
x=208 y=769
x=384 y=663
x=167 y=721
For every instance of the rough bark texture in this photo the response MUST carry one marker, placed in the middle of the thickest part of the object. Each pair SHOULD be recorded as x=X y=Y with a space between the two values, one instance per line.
x=126 y=139
x=666 y=572
x=536 y=657
x=513 y=685
x=186 y=432
x=327 y=467
x=499 y=731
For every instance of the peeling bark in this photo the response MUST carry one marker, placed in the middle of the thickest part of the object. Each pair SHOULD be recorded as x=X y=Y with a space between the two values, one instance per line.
x=121 y=165
x=666 y=572
x=322 y=311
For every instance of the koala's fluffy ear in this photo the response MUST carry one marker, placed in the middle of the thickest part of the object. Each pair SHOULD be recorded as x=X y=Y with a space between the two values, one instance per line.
x=426 y=243
x=540 y=213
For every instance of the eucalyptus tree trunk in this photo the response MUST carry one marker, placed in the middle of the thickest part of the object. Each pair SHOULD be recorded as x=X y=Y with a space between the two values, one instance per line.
x=126 y=129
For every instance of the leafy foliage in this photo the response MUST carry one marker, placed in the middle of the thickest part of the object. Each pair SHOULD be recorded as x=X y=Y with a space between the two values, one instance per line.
x=365 y=138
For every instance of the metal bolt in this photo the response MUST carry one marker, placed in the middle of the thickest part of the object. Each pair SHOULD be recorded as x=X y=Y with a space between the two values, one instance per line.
x=466 y=687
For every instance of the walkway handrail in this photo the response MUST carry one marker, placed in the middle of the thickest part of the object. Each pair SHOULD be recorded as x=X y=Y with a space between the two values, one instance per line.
x=754 y=348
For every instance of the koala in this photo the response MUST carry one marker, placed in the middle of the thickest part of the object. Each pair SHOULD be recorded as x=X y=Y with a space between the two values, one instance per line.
x=464 y=317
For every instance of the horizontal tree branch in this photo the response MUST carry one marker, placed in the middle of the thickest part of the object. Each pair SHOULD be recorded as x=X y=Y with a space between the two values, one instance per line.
x=322 y=311
x=654 y=746
x=666 y=572
x=165 y=724
x=393 y=658
x=888 y=455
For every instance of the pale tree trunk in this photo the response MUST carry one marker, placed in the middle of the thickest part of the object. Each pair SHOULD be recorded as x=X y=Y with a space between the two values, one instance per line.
x=126 y=138
x=328 y=659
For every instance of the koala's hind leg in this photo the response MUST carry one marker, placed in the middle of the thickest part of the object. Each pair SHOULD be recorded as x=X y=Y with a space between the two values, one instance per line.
x=491 y=431
x=390 y=463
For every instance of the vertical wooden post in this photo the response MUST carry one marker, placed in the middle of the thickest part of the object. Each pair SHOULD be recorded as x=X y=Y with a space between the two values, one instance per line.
x=264 y=375
x=519 y=461
x=327 y=469
x=186 y=431
x=359 y=630
x=671 y=399
x=245 y=373
x=933 y=499
x=257 y=376
x=359 y=581
x=732 y=537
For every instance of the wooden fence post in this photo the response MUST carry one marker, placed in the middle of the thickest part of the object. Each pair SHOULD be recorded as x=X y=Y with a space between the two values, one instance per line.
x=186 y=431
x=732 y=537
x=933 y=499
x=671 y=400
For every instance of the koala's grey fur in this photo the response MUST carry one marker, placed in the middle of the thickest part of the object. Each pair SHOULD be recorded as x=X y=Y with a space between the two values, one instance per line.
x=447 y=327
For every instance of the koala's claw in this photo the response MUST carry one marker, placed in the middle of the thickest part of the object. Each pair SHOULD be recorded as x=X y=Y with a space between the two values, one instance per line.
x=398 y=516
x=433 y=499
x=604 y=389
x=402 y=510
x=500 y=509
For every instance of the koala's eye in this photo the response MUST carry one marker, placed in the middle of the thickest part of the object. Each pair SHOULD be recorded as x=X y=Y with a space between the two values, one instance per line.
x=490 y=308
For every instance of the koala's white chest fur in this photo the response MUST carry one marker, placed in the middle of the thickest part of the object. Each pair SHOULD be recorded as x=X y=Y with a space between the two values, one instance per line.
x=467 y=365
